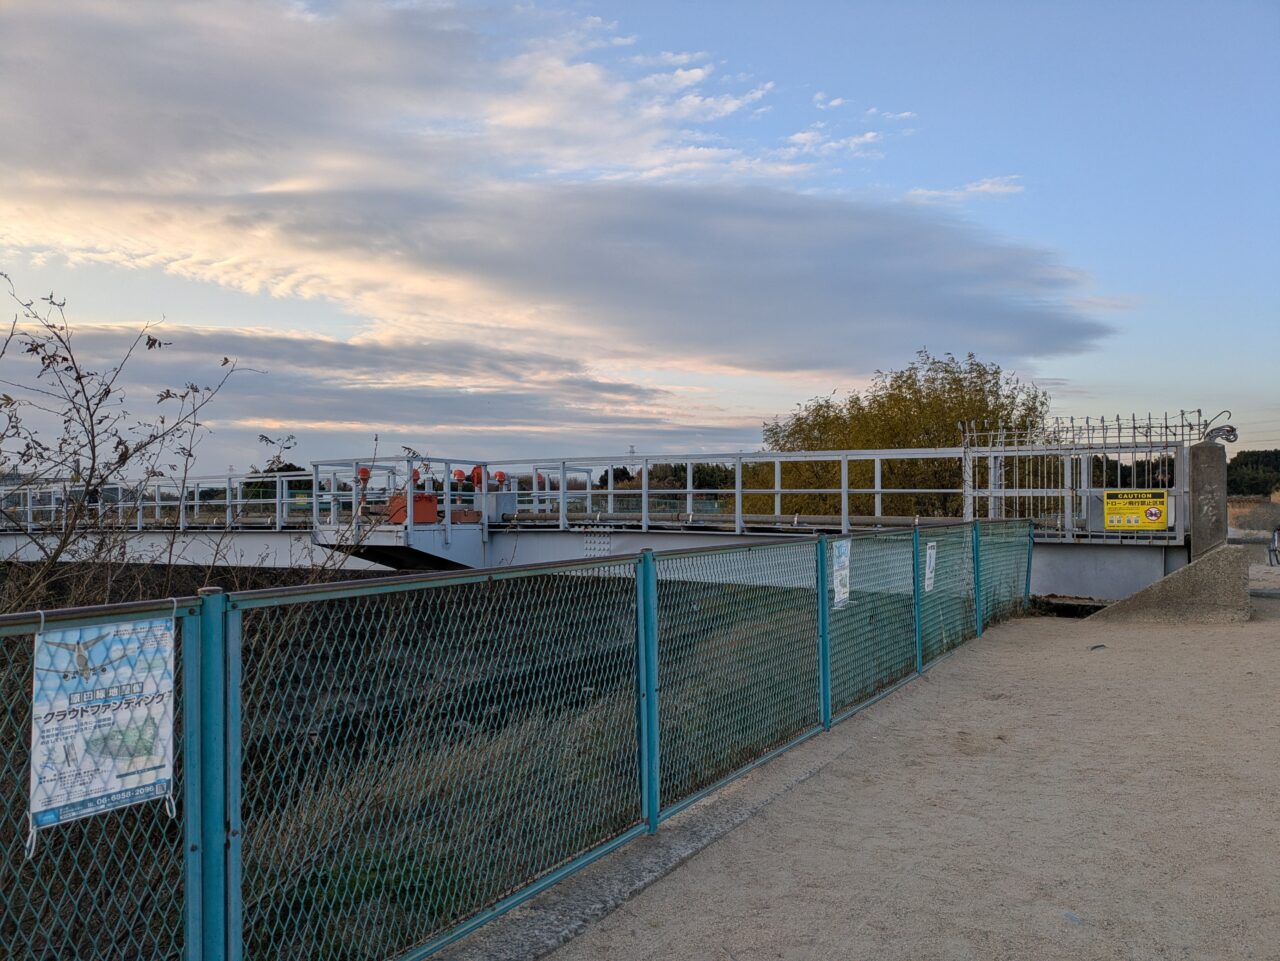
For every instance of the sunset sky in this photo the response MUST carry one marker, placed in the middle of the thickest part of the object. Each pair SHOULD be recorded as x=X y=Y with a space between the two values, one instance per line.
x=502 y=230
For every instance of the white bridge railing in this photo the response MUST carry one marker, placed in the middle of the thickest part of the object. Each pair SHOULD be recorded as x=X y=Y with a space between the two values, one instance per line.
x=1058 y=485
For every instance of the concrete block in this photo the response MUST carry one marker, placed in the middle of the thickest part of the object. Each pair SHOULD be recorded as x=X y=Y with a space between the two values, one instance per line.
x=1208 y=497
x=1212 y=589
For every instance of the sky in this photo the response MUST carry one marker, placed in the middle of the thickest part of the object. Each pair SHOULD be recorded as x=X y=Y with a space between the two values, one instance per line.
x=498 y=230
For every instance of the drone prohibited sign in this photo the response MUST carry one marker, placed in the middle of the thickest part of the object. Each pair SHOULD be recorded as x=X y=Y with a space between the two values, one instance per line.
x=101 y=720
x=1135 y=510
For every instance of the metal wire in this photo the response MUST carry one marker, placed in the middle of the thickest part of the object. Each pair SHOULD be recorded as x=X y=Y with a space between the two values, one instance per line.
x=1003 y=569
x=737 y=659
x=412 y=757
x=873 y=634
x=946 y=604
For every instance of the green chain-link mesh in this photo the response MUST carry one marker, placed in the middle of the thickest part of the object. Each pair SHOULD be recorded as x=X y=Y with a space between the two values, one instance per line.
x=737 y=660
x=873 y=641
x=410 y=758
x=106 y=886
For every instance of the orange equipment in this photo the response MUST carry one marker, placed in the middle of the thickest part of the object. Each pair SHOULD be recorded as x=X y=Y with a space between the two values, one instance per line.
x=426 y=509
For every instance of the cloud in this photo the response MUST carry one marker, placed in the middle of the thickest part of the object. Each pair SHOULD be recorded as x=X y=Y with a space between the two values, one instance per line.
x=990 y=187
x=667 y=58
x=888 y=115
x=523 y=233
x=816 y=141
x=821 y=101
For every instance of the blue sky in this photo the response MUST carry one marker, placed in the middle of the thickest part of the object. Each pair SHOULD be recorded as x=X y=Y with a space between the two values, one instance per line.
x=542 y=228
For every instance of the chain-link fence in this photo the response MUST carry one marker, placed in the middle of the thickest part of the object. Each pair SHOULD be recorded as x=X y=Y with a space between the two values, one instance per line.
x=385 y=765
x=873 y=644
x=110 y=885
x=737 y=659
x=412 y=757
x=1004 y=564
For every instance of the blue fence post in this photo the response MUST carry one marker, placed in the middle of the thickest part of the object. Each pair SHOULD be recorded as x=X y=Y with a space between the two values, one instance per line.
x=915 y=596
x=193 y=821
x=213 y=769
x=647 y=678
x=1031 y=543
x=234 y=889
x=824 y=638
x=978 y=613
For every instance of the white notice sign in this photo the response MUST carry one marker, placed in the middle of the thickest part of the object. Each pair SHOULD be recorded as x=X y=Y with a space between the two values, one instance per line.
x=840 y=572
x=930 y=563
x=101 y=719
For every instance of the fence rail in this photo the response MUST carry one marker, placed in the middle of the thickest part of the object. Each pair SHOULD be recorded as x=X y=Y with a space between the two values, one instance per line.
x=371 y=770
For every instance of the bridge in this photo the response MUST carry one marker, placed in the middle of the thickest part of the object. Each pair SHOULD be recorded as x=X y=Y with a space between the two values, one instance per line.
x=452 y=512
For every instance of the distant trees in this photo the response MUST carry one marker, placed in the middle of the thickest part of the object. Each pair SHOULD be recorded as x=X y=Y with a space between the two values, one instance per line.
x=1254 y=472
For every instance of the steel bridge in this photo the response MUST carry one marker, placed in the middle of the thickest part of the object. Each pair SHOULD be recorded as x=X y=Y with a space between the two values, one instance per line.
x=452 y=512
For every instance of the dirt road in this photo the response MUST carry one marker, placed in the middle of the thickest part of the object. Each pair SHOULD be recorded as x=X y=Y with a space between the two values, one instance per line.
x=1030 y=799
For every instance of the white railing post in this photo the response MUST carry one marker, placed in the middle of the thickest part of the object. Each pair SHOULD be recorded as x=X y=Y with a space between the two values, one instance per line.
x=484 y=503
x=644 y=496
x=992 y=477
x=737 y=495
x=564 y=496
x=609 y=487
x=844 y=493
x=315 y=497
x=878 y=485
x=1068 y=522
x=448 y=501
x=966 y=483
x=281 y=484
x=777 y=488
x=688 y=488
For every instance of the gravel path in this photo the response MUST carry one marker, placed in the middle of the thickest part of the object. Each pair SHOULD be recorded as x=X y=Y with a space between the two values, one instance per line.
x=1030 y=799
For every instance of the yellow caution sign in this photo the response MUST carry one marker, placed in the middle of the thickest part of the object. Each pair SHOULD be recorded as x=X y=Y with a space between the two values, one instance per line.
x=1135 y=510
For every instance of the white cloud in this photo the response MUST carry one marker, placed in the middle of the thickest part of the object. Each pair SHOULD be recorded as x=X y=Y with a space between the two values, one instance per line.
x=816 y=141
x=669 y=59
x=821 y=101
x=990 y=187
x=889 y=115
x=447 y=192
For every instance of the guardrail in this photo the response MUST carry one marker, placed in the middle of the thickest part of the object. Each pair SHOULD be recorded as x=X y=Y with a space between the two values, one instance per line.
x=1058 y=486
x=370 y=770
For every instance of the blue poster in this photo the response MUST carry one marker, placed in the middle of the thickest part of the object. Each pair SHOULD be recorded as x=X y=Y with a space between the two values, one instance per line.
x=101 y=720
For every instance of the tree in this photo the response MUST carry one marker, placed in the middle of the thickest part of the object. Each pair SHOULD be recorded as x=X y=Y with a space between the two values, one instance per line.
x=1255 y=472
x=67 y=431
x=924 y=404
x=621 y=475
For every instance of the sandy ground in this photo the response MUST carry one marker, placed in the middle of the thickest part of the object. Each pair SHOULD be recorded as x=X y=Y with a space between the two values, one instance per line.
x=1030 y=799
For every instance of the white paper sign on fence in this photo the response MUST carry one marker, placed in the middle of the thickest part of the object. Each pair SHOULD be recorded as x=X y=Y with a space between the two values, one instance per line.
x=930 y=564
x=101 y=719
x=840 y=572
